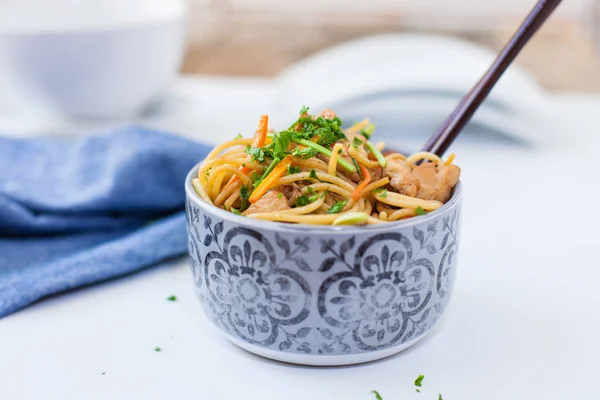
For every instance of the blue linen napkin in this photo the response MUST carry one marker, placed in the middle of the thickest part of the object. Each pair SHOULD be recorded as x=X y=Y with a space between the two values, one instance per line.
x=76 y=212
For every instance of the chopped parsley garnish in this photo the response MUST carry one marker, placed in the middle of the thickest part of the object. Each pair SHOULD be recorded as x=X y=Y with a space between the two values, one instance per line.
x=327 y=131
x=356 y=142
x=304 y=110
x=305 y=199
x=157 y=349
x=172 y=298
x=377 y=395
x=419 y=382
x=280 y=195
x=305 y=153
x=239 y=136
x=340 y=151
x=244 y=196
x=440 y=397
x=313 y=174
x=382 y=192
x=255 y=178
x=419 y=211
x=293 y=169
x=235 y=211
x=312 y=135
x=257 y=153
x=337 y=207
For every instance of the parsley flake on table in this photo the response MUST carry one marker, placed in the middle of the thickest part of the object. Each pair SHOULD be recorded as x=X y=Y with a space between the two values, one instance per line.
x=419 y=211
x=419 y=382
x=172 y=298
x=440 y=397
x=157 y=349
x=377 y=395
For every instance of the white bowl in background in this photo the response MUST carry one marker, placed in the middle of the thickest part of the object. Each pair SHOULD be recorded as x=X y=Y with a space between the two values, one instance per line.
x=90 y=59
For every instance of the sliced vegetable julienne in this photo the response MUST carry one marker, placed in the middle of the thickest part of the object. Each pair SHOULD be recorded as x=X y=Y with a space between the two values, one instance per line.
x=347 y=166
x=377 y=154
x=358 y=126
x=260 y=138
x=368 y=131
x=358 y=192
x=277 y=171
x=351 y=218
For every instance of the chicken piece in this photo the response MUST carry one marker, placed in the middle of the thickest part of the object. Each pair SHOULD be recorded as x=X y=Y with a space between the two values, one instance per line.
x=434 y=184
x=291 y=193
x=269 y=202
x=328 y=114
x=401 y=176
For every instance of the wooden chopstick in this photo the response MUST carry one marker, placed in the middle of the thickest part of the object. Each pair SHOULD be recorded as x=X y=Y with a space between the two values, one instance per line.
x=453 y=125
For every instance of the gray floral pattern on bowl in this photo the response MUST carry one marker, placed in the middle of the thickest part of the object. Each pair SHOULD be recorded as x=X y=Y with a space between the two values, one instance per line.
x=323 y=291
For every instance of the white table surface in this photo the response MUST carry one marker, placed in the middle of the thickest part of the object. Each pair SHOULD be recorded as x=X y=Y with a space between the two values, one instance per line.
x=523 y=323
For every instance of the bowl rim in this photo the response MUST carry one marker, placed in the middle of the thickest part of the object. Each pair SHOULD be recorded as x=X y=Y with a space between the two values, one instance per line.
x=455 y=200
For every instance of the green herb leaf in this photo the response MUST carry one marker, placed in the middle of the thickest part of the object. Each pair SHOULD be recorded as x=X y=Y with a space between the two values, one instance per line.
x=279 y=145
x=235 y=211
x=420 y=211
x=293 y=169
x=356 y=142
x=255 y=178
x=304 y=110
x=382 y=192
x=280 y=195
x=172 y=298
x=337 y=207
x=440 y=397
x=305 y=153
x=305 y=199
x=377 y=395
x=302 y=201
x=258 y=153
x=157 y=349
x=244 y=196
x=239 y=136
x=419 y=381
x=313 y=174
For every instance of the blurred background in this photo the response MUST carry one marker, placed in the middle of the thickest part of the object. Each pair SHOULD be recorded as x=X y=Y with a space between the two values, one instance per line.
x=261 y=37
x=112 y=59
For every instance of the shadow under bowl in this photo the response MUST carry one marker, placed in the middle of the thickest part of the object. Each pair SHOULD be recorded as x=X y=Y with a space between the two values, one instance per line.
x=322 y=295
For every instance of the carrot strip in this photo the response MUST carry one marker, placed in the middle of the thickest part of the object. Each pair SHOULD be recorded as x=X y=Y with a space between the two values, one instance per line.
x=270 y=179
x=358 y=192
x=260 y=137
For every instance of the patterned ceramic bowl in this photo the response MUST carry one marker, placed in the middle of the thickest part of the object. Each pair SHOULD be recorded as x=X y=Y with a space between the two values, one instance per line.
x=322 y=295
